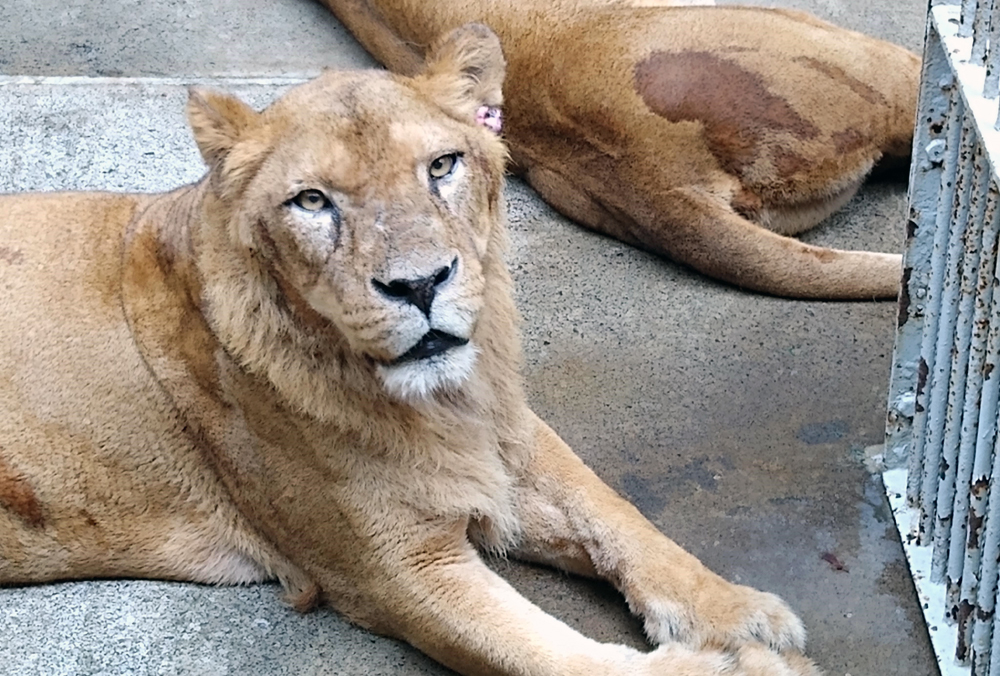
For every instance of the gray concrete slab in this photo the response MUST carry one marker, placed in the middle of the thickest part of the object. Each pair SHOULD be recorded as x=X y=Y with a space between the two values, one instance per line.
x=735 y=422
x=173 y=37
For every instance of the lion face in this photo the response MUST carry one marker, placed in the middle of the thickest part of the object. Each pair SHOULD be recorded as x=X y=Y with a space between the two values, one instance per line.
x=371 y=200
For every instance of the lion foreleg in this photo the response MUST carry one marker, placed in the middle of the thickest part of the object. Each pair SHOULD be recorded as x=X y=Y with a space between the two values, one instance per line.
x=436 y=593
x=572 y=520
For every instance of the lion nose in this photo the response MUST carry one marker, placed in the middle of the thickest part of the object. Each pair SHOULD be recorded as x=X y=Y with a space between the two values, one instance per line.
x=420 y=291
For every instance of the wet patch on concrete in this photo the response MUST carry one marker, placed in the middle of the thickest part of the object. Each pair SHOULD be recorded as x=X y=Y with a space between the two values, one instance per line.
x=823 y=433
x=895 y=581
x=651 y=493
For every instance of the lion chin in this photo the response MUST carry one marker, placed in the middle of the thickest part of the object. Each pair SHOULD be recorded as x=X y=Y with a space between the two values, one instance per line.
x=417 y=379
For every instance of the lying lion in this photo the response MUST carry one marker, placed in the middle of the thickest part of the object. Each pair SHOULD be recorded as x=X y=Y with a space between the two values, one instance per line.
x=706 y=134
x=305 y=367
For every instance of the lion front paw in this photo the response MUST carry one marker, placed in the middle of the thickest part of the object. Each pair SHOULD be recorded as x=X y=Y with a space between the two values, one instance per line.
x=751 y=616
x=726 y=616
x=759 y=661
x=750 y=660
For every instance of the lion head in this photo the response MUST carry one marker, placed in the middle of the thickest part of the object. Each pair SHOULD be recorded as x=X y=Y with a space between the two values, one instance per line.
x=370 y=201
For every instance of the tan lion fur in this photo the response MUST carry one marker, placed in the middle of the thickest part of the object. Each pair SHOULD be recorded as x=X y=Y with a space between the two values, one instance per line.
x=200 y=385
x=706 y=134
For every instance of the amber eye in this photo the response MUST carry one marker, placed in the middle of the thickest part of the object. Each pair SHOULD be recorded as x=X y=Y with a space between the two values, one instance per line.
x=442 y=166
x=311 y=200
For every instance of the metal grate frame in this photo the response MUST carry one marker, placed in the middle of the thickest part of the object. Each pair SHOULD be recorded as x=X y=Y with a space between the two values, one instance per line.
x=944 y=391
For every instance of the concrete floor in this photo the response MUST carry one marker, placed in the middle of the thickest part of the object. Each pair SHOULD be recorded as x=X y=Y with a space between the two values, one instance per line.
x=735 y=422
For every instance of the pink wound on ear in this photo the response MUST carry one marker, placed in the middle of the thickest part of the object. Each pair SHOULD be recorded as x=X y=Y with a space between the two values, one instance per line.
x=490 y=117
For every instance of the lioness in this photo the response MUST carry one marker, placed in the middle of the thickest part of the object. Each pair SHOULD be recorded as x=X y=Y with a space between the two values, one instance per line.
x=305 y=367
x=706 y=134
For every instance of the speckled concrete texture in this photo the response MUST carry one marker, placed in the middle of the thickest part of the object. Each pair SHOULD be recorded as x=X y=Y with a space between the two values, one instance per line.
x=735 y=422
x=173 y=38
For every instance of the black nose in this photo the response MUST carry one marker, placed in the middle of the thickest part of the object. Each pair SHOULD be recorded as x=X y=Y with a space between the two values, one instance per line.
x=419 y=292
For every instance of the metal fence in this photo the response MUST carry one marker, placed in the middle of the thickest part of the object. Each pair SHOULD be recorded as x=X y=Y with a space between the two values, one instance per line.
x=945 y=387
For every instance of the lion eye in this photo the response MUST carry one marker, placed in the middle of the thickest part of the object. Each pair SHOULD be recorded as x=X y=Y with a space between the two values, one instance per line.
x=311 y=200
x=442 y=166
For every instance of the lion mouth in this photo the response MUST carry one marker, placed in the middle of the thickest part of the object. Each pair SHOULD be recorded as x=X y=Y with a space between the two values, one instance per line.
x=433 y=343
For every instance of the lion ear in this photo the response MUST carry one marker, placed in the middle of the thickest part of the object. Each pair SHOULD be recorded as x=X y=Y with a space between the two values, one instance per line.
x=218 y=121
x=464 y=72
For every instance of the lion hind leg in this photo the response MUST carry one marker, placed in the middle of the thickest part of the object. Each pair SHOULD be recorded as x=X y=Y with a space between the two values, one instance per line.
x=81 y=544
x=208 y=554
x=68 y=532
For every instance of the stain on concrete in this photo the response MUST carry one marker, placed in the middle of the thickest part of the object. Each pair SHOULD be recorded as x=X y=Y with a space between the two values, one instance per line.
x=644 y=494
x=895 y=581
x=823 y=433
x=835 y=562
x=650 y=494
x=794 y=500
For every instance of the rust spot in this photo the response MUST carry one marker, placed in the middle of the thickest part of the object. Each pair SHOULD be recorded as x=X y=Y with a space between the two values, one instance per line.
x=961 y=614
x=862 y=89
x=17 y=496
x=975 y=530
x=904 y=298
x=10 y=256
x=921 y=382
x=734 y=104
x=987 y=370
x=849 y=140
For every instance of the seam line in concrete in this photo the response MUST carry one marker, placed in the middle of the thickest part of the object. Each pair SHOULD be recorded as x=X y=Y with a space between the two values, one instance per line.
x=71 y=80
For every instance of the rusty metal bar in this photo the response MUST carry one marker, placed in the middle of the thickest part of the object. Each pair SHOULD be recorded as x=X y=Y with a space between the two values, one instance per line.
x=949 y=352
x=986 y=598
x=980 y=31
x=991 y=86
x=967 y=18
x=939 y=339
x=930 y=174
x=944 y=403
x=973 y=459
x=949 y=487
x=921 y=493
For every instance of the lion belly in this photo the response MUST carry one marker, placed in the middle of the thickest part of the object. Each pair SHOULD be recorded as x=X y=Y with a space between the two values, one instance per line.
x=83 y=492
